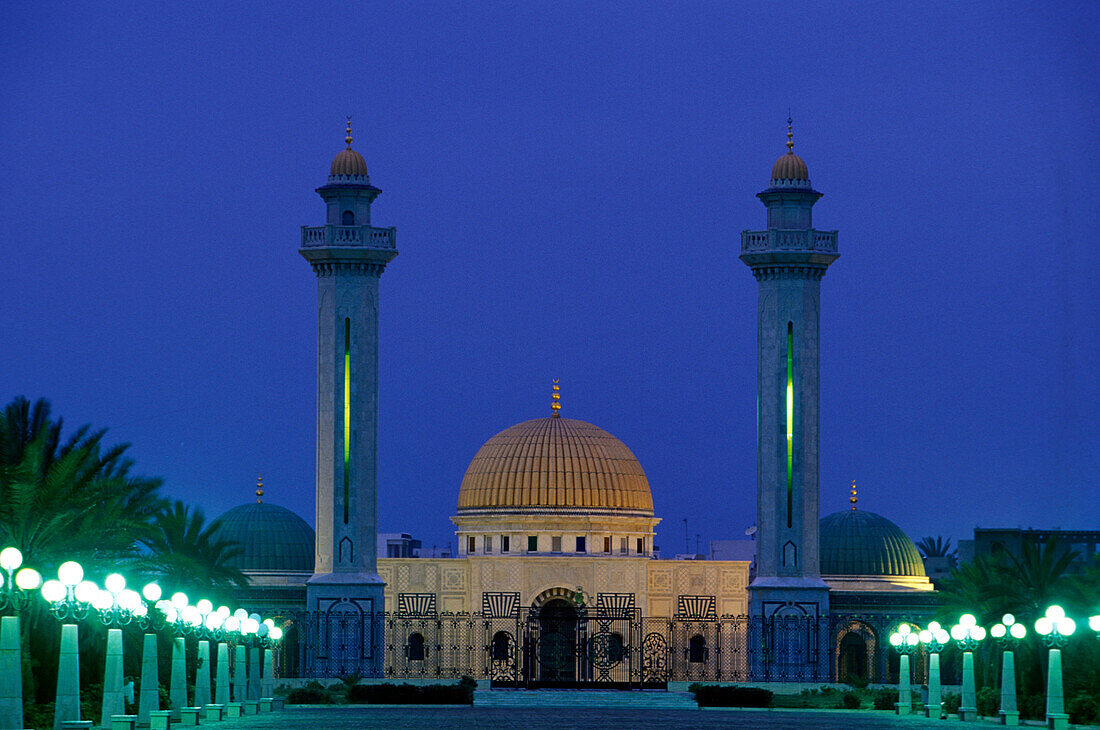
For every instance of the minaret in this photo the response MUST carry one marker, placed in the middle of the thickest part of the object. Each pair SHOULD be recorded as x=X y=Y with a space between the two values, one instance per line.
x=788 y=260
x=348 y=255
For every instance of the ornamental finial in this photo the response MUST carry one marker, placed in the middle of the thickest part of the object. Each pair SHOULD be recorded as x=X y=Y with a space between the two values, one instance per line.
x=555 y=404
x=853 y=499
x=348 y=138
x=790 y=135
x=260 y=489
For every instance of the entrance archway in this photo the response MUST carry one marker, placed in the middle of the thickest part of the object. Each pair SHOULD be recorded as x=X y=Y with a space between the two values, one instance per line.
x=556 y=645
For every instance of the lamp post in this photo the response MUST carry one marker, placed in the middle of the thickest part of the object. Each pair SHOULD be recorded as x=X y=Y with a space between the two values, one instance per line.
x=934 y=638
x=69 y=598
x=270 y=642
x=904 y=640
x=115 y=605
x=257 y=631
x=16 y=586
x=1055 y=627
x=230 y=625
x=240 y=656
x=1009 y=633
x=149 y=690
x=211 y=625
x=967 y=634
x=183 y=618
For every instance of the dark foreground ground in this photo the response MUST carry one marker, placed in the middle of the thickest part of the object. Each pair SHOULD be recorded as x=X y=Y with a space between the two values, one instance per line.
x=356 y=717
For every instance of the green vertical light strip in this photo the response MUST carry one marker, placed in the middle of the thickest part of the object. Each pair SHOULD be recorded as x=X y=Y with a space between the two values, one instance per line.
x=347 y=413
x=790 y=422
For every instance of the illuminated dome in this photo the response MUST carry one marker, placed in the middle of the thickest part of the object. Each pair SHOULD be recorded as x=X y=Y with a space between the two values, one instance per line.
x=789 y=167
x=854 y=542
x=271 y=538
x=555 y=465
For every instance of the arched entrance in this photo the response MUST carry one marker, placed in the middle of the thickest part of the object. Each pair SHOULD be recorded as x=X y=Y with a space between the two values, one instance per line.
x=556 y=642
x=855 y=653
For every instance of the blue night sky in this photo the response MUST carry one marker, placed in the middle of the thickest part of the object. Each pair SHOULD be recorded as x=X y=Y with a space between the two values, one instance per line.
x=568 y=182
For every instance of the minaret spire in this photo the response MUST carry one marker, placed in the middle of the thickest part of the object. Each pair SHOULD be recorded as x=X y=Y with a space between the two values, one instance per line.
x=853 y=499
x=555 y=400
x=790 y=135
x=348 y=137
x=260 y=489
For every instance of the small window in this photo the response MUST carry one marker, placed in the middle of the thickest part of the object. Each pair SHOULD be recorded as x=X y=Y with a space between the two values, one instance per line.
x=505 y=544
x=501 y=642
x=471 y=545
x=348 y=219
x=641 y=546
x=580 y=545
x=415 y=649
x=697 y=649
x=488 y=544
x=532 y=543
x=555 y=544
x=622 y=546
x=607 y=544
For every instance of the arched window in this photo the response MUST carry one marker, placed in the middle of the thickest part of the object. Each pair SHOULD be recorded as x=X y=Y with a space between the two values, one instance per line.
x=415 y=649
x=348 y=218
x=501 y=640
x=697 y=649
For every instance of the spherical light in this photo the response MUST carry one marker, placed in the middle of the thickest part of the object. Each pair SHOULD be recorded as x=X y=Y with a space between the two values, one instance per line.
x=103 y=600
x=967 y=620
x=958 y=632
x=1066 y=626
x=140 y=610
x=270 y=623
x=934 y=626
x=276 y=633
x=53 y=591
x=232 y=624
x=911 y=639
x=224 y=612
x=904 y=629
x=925 y=637
x=977 y=633
x=70 y=573
x=190 y=615
x=179 y=600
x=1056 y=614
x=10 y=558
x=255 y=617
x=942 y=636
x=1018 y=631
x=240 y=614
x=28 y=579
x=86 y=591
x=170 y=614
x=1008 y=619
x=249 y=626
x=115 y=583
x=213 y=621
x=895 y=639
x=262 y=629
x=998 y=631
x=129 y=600
x=1044 y=626
x=151 y=591
x=1094 y=621
x=204 y=606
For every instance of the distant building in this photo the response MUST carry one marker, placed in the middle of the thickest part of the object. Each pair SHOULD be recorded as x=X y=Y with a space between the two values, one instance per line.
x=992 y=540
x=398 y=545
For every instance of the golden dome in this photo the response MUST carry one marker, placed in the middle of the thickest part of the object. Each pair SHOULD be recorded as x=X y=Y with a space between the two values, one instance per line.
x=349 y=162
x=555 y=465
x=790 y=167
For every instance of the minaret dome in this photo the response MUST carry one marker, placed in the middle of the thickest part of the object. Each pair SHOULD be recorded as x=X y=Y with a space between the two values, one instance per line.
x=348 y=163
x=790 y=168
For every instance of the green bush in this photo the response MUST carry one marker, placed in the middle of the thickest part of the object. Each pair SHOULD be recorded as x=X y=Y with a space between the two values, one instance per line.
x=38 y=716
x=850 y=701
x=857 y=681
x=1082 y=708
x=989 y=702
x=309 y=696
x=885 y=699
x=1032 y=707
x=408 y=694
x=711 y=695
x=951 y=702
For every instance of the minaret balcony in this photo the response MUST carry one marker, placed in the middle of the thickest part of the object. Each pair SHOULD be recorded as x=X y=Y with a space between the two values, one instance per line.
x=349 y=237
x=778 y=239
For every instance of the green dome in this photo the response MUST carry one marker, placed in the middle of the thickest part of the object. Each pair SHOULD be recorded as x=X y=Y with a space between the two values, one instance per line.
x=854 y=542
x=271 y=538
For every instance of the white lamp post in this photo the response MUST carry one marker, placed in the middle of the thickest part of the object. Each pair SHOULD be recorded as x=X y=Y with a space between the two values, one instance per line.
x=69 y=597
x=934 y=638
x=149 y=690
x=1055 y=627
x=115 y=605
x=1009 y=633
x=905 y=641
x=967 y=634
x=15 y=589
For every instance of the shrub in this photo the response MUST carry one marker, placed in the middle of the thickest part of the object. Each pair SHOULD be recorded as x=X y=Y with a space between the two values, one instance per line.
x=408 y=694
x=951 y=702
x=1032 y=707
x=857 y=681
x=309 y=696
x=850 y=701
x=1082 y=709
x=989 y=701
x=724 y=696
x=885 y=699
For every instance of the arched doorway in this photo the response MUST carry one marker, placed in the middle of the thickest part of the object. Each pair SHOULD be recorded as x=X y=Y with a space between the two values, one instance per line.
x=556 y=642
x=852 y=661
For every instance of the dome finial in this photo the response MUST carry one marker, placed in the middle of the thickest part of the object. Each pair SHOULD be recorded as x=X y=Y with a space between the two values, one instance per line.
x=260 y=489
x=348 y=138
x=790 y=135
x=853 y=499
x=555 y=404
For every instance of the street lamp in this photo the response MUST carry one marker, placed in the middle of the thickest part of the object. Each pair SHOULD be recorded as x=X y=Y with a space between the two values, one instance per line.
x=905 y=641
x=150 y=621
x=967 y=634
x=1008 y=632
x=69 y=597
x=16 y=586
x=208 y=629
x=115 y=604
x=1055 y=627
x=934 y=638
x=183 y=618
x=228 y=625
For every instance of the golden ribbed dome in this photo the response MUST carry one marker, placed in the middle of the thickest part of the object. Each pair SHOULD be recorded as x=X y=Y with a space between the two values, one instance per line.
x=790 y=167
x=555 y=464
x=348 y=162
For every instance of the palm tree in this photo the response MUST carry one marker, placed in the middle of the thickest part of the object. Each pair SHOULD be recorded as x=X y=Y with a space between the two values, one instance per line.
x=189 y=554
x=935 y=547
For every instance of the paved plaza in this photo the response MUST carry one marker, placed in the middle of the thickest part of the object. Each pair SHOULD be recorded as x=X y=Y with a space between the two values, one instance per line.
x=388 y=717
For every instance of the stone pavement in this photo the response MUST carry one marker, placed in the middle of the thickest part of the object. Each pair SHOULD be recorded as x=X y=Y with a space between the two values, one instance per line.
x=449 y=717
